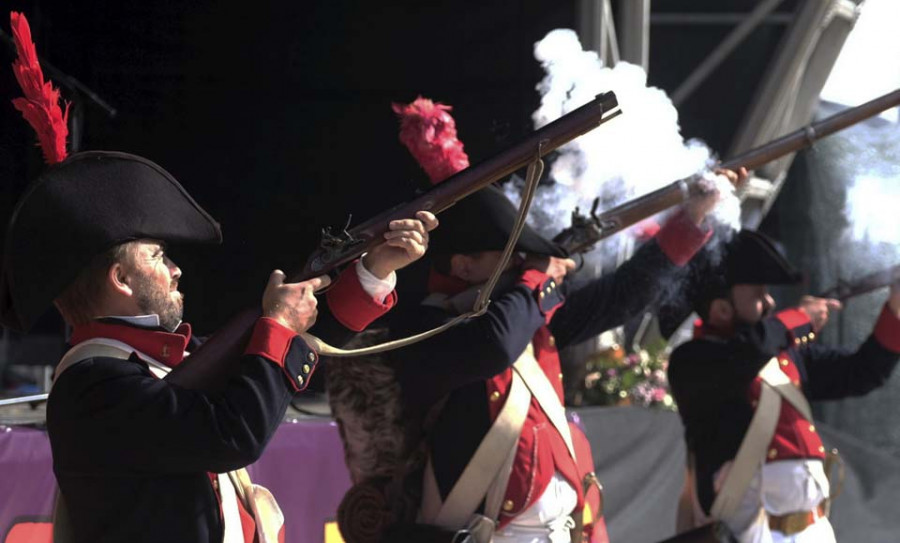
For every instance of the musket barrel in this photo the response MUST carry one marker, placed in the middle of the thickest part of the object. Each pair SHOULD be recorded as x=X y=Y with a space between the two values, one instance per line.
x=807 y=135
x=864 y=285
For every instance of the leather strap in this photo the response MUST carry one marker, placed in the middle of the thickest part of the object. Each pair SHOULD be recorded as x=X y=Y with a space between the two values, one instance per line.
x=486 y=464
x=752 y=450
x=775 y=386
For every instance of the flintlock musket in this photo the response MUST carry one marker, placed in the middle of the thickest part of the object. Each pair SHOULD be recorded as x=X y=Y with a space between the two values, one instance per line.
x=587 y=231
x=210 y=366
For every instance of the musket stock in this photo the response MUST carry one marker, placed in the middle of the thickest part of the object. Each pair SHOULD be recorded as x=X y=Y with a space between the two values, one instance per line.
x=587 y=231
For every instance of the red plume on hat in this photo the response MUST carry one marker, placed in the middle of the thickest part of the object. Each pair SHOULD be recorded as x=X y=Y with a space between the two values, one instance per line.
x=40 y=106
x=429 y=132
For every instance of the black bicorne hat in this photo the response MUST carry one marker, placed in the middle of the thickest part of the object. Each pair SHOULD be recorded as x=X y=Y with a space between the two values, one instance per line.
x=749 y=258
x=484 y=222
x=81 y=207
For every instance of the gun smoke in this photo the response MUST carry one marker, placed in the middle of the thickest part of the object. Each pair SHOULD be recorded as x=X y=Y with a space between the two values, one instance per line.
x=636 y=153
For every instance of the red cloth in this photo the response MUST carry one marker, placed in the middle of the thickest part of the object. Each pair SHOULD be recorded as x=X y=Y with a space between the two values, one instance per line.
x=541 y=451
x=351 y=305
x=166 y=347
x=887 y=330
x=272 y=340
x=795 y=436
x=544 y=291
x=680 y=239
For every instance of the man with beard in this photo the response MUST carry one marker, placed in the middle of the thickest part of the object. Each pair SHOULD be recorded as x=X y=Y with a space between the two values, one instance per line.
x=742 y=387
x=138 y=457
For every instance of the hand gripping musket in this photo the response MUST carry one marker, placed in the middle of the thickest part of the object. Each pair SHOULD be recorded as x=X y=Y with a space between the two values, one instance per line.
x=587 y=231
x=209 y=366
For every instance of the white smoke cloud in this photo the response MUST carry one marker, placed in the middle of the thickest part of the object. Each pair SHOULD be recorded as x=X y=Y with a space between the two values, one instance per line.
x=639 y=151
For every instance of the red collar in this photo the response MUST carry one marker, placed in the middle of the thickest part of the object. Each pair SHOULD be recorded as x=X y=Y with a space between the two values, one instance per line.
x=445 y=284
x=166 y=347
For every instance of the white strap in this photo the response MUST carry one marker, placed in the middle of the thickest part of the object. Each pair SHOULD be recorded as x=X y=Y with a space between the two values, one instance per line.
x=546 y=396
x=108 y=348
x=486 y=463
x=111 y=348
x=752 y=451
x=777 y=379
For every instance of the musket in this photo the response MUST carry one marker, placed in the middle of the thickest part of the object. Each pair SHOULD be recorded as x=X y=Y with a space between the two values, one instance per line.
x=209 y=366
x=845 y=290
x=586 y=231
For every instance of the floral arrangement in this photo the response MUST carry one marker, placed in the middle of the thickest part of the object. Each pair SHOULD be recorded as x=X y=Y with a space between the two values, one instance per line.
x=615 y=377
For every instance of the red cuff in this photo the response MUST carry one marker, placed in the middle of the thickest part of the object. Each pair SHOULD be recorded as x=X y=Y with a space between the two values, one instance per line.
x=887 y=330
x=533 y=278
x=793 y=318
x=680 y=239
x=547 y=294
x=270 y=340
x=351 y=305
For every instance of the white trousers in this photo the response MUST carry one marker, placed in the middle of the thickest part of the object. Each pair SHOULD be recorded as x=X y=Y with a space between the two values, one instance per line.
x=548 y=520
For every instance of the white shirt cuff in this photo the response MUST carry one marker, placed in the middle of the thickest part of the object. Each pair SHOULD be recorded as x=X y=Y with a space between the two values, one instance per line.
x=378 y=289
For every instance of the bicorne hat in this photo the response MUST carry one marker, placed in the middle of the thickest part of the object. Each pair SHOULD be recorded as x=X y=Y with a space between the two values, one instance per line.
x=749 y=258
x=81 y=207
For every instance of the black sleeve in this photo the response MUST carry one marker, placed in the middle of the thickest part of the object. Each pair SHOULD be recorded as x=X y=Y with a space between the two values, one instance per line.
x=839 y=373
x=115 y=414
x=597 y=305
x=473 y=350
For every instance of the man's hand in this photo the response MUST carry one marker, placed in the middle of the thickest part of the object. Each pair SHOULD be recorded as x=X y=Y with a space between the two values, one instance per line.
x=405 y=243
x=818 y=309
x=292 y=304
x=557 y=268
x=699 y=206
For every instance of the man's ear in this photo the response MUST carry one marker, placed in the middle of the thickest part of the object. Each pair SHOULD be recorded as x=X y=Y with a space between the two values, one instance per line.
x=118 y=280
x=461 y=266
x=721 y=312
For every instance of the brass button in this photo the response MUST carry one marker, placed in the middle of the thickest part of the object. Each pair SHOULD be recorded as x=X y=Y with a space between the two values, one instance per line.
x=495 y=395
x=549 y=290
x=306 y=368
x=552 y=341
x=783 y=362
x=508 y=505
x=541 y=295
x=311 y=356
x=805 y=340
x=812 y=336
x=812 y=427
x=796 y=341
x=772 y=453
x=560 y=377
x=300 y=380
x=821 y=449
x=552 y=283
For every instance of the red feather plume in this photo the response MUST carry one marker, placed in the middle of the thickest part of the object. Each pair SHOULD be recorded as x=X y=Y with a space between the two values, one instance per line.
x=429 y=132
x=40 y=106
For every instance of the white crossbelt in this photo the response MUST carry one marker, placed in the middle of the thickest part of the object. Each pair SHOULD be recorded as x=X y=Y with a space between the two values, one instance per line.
x=232 y=485
x=487 y=474
x=752 y=452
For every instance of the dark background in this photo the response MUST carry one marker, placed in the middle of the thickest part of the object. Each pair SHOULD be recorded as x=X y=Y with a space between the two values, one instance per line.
x=276 y=115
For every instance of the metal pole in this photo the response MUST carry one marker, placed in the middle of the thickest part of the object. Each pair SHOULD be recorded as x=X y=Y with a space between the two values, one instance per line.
x=634 y=26
x=24 y=399
x=729 y=44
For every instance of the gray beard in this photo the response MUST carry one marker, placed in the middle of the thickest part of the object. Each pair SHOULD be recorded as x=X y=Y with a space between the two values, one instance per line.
x=155 y=300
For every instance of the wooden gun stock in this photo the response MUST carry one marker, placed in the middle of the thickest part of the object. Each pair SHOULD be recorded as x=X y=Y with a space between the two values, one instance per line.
x=588 y=231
